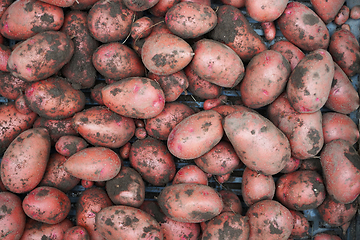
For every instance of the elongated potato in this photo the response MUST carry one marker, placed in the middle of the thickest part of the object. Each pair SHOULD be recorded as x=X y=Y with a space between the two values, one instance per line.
x=327 y=10
x=291 y=52
x=68 y=145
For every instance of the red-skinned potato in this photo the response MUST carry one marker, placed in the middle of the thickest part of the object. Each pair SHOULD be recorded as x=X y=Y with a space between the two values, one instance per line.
x=102 y=127
x=245 y=127
x=68 y=145
x=126 y=188
x=5 y=52
x=153 y=161
x=311 y=164
x=291 y=52
x=54 y=98
x=195 y=135
x=190 y=174
x=212 y=103
x=83 y=4
x=235 y=3
x=94 y=164
x=190 y=202
x=164 y=54
x=301 y=26
x=201 y=2
x=256 y=187
x=141 y=28
x=301 y=225
x=160 y=9
x=124 y=151
x=341 y=163
x=110 y=21
x=225 y=110
x=117 y=61
x=265 y=11
x=56 y=176
x=235 y=31
x=12 y=123
x=134 y=97
x=269 y=219
x=337 y=125
x=96 y=93
x=23 y=162
x=24 y=19
x=300 y=190
x=355 y=12
x=86 y=183
x=265 y=79
x=292 y=165
x=327 y=10
x=12 y=216
x=53 y=204
x=124 y=222
x=342 y=16
x=21 y=105
x=11 y=87
x=227 y=225
x=222 y=178
x=141 y=5
x=269 y=30
x=326 y=236
x=231 y=202
x=60 y=3
x=37 y=230
x=56 y=50
x=77 y=233
x=91 y=201
x=3 y=6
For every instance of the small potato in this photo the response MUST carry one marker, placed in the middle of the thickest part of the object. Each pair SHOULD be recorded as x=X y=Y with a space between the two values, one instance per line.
x=234 y=3
x=83 y=4
x=21 y=105
x=292 y=165
x=94 y=164
x=212 y=103
x=355 y=12
x=265 y=10
x=190 y=202
x=342 y=16
x=124 y=151
x=53 y=204
x=60 y=3
x=231 y=202
x=5 y=53
x=140 y=5
x=291 y=52
x=269 y=30
x=77 y=233
x=96 y=93
x=326 y=236
x=327 y=10
x=160 y=9
x=37 y=230
x=11 y=86
x=68 y=145
x=190 y=174
x=141 y=28
x=301 y=225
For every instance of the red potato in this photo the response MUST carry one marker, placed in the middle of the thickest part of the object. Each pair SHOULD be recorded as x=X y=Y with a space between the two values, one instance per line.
x=291 y=52
x=94 y=164
x=96 y=93
x=24 y=19
x=301 y=26
x=124 y=222
x=23 y=162
x=126 y=188
x=269 y=30
x=86 y=183
x=309 y=84
x=235 y=31
x=346 y=27
x=5 y=52
x=60 y=3
x=265 y=79
x=77 y=233
x=4 y=4
x=225 y=110
x=160 y=9
x=109 y=21
x=256 y=187
x=345 y=50
x=21 y=105
x=190 y=174
x=245 y=127
x=212 y=103
x=340 y=164
x=142 y=5
x=234 y=3
x=56 y=50
x=342 y=16
x=201 y=2
x=12 y=216
x=301 y=225
x=46 y=204
x=153 y=161
x=37 y=230
x=134 y=97
x=269 y=219
x=11 y=87
x=68 y=145
x=222 y=178
x=56 y=176
x=125 y=151
x=195 y=135
x=355 y=12
x=326 y=236
x=83 y=4
x=117 y=61
x=231 y=202
x=140 y=133
x=164 y=54
x=265 y=11
x=327 y=10
x=141 y=28
x=311 y=164
x=54 y=98
x=101 y=127
x=292 y=165
x=190 y=202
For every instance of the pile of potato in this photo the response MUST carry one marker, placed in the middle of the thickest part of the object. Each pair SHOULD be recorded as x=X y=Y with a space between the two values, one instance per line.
x=289 y=128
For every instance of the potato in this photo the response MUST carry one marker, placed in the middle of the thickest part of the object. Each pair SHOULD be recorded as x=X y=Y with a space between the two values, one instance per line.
x=342 y=16
x=141 y=28
x=95 y=93
x=60 y=3
x=231 y=202
x=269 y=30
x=190 y=202
x=4 y=5
x=24 y=19
x=340 y=164
x=134 y=97
x=327 y=10
x=12 y=123
x=117 y=61
x=355 y=12
x=301 y=225
x=21 y=105
x=68 y=145
x=268 y=219
x=12 y=216
x=265 y=11
x=225 y=110
x=345 y=50
x=138 y=6
x=23 y=164
x=265 y=79
x=83 y=4
x=160 y=9
x=246 y=127
x=164 y=54
x=195 y=135
x=11 y=87
x=52 y=204
x=190 y=174
x=326 y=236
x=292 y=165
x=54 y=98
x=311 y=164
x=94 y=164
x=343 y=97
x=227 y=225
x=126 y=188
x=124 y=151
x=301 y=26
x=235 y=3
x=77 y=233
x=212 y=103
x=235 y=31
x=310 y=82
x=56 y=176
x=153 y=161
x=5 y=52
x=89 y=204
x=102 y=127
x=109 y=21
x=336 y=214
x=291 y=52
x=256 y=187
x=38 y=230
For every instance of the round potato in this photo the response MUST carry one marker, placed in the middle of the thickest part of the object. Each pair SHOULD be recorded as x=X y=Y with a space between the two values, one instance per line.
x=265 y=10
x=301 y=225
x=37 y=230
x=68 y=145
x=190 y=174
x=291 y=52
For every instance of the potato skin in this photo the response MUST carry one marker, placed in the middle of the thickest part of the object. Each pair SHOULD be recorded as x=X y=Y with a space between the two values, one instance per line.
x=38 y=230
x=124 y=222
x=190 y=202
x=12 y=216
x=68 y=145
x=56 y=50
x=291 y=52
x=327 y=10
x=190 y=174
x=11 y=86
x=301 y=225
x=265 y=11
x=195 y=135
x=231 y=202
x=23 y=162
x=77 y=233
x=301 y=26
